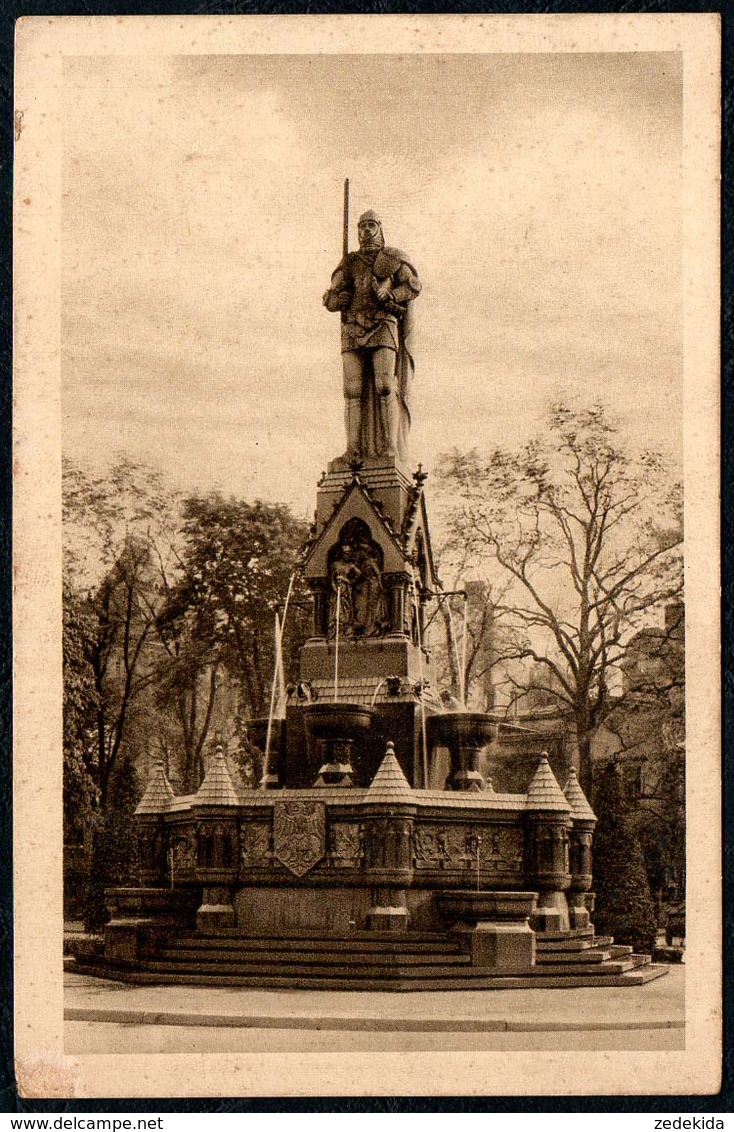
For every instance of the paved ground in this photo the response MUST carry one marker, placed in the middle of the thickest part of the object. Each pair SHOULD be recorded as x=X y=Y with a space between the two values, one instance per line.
x=105 y=1016
x=106 y=1037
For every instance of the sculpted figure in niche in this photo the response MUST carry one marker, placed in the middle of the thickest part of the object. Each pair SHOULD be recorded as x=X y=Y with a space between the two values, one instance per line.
x=373 y=289
x=344 y=573
x=356 y=585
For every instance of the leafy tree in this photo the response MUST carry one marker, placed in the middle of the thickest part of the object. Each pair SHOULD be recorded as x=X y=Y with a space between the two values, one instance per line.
x=81 y=794
x=237 y=562
x=115 y=856
x=583 y=540
x=188 y=677
x=624 y=906
x=118 y=530
x=647 y=726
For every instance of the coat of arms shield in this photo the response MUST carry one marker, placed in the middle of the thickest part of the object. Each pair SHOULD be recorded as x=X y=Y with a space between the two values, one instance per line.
x=299 y=834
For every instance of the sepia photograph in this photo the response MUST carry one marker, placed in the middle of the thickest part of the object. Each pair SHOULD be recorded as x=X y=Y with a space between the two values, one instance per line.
x=367 y=555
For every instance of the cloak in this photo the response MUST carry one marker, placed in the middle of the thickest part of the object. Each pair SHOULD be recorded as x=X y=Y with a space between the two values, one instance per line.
x=387 y=262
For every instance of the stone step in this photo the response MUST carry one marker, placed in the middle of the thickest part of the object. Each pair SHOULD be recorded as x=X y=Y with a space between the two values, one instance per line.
x=588 y=955
x=405 y=943
x=358 y=967
x=574 y=933
x=569 y=945
x=481 y=980
x=301 y=935
x=284 y=968
x=266 y=955
x=575 y=943
x=644 y=974
x=602 y=966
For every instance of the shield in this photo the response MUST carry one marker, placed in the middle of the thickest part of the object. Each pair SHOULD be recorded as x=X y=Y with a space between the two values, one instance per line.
x=299 y=835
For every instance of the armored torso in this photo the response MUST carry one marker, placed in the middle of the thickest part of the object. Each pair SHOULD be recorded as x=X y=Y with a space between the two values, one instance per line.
x=366 y=324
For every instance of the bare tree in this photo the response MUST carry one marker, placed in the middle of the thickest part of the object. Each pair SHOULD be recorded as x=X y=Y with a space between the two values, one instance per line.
x=477 y=607
x=116 y=527
x=587 y=540
x=122 y=667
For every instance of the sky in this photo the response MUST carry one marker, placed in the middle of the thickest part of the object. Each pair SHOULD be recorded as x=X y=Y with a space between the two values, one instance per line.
x=537 y=195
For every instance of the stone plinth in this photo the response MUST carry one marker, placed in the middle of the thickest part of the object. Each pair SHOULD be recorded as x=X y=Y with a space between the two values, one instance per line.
x=139 y=917
x=386 y=918
x=387 y=480
x=375 y=658
x=216 y=909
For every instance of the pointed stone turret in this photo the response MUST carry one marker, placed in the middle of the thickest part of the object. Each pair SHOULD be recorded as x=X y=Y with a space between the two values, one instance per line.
x=577 y=800
x=544 y=793
x=389 y=786
x=158 y=793
x=217 y=789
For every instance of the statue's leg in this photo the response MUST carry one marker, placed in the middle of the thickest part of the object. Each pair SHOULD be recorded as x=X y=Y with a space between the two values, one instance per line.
x=353 y=377
x=386 y=388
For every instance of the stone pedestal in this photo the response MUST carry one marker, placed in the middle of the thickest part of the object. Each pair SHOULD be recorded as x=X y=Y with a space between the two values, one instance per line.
x=336 y=773
x=388 y=480
x=379 y=657
x=388 y=912
x=580 y=907
x=551 y=913
x=507 y=948
x=216 y=910
x=141 y=916
x=122 y=940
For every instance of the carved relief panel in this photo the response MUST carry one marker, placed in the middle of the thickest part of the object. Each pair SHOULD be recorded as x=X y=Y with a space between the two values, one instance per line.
x=468 y=847
x=346 y=845
x=501 y=850
x=255 y=850
x=184 y=852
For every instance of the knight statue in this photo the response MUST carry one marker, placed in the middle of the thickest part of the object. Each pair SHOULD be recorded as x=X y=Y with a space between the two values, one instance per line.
x=374 y=289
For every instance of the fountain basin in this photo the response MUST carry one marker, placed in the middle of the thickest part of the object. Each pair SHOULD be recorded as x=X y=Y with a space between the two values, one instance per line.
x=334 y=727
x=465 y=733
x=473 y=907
x=257 y=734
x=470 y=728
x=338 y=721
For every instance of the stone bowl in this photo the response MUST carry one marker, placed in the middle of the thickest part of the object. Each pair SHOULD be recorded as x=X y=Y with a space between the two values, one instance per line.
x=257 y=733
x=472 y=906
x=463 y=728
x=338 y=721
